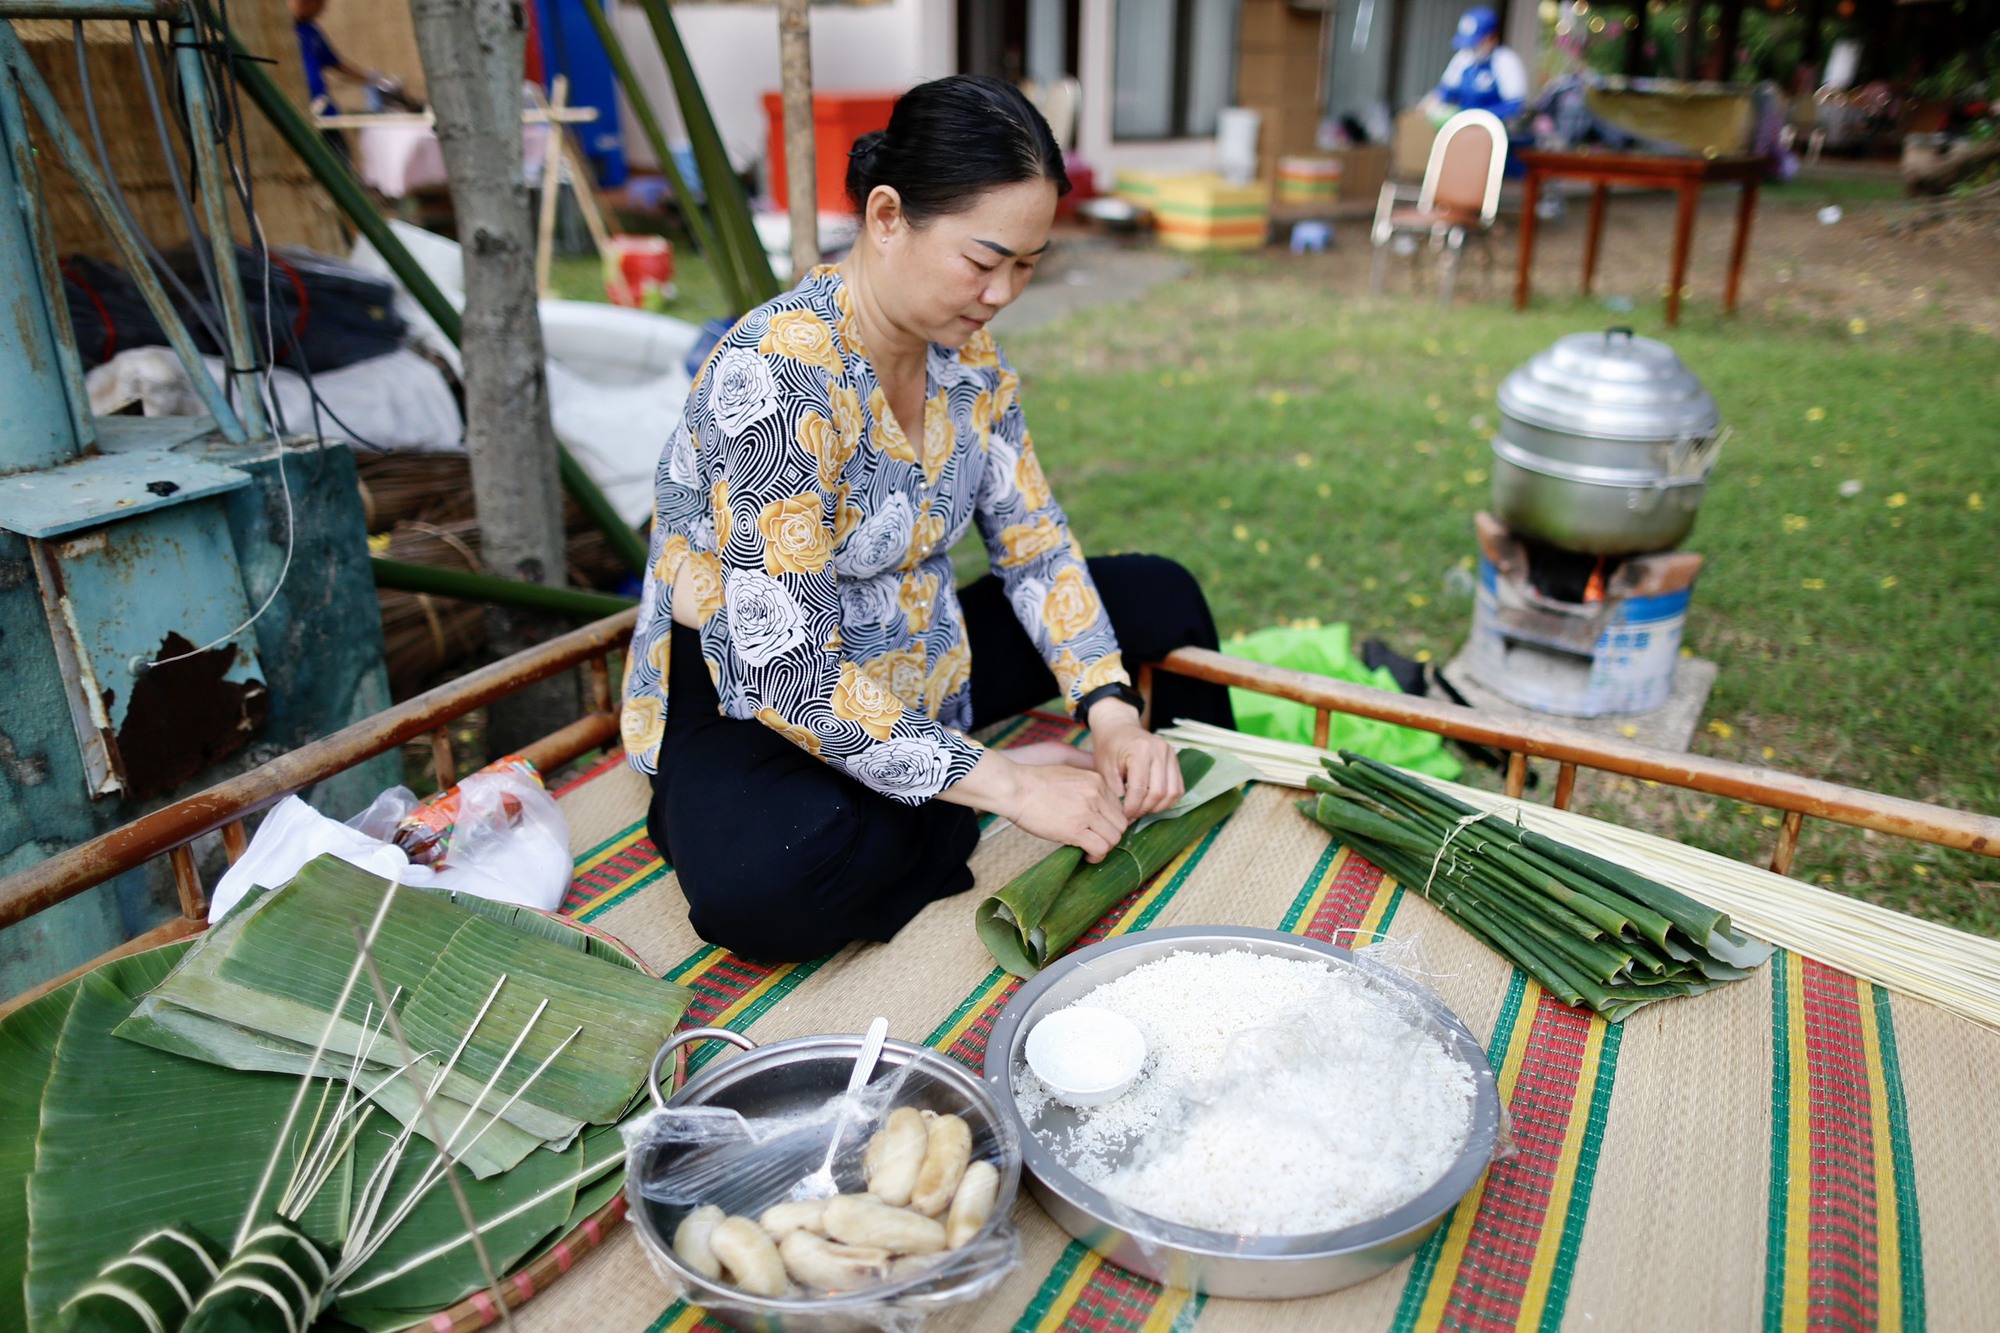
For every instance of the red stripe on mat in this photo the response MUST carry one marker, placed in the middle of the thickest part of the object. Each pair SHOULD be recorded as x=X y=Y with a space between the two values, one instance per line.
x=1493 y=1275
x=1843 y=1271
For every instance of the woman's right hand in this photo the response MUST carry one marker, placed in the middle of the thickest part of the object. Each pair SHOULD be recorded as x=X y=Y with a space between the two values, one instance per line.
x=1059 y=803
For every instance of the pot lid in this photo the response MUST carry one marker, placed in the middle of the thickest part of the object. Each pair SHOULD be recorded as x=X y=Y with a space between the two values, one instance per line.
x=1615 y=385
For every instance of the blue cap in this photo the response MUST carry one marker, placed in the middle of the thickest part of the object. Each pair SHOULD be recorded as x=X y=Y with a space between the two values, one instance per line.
x=1474 y=27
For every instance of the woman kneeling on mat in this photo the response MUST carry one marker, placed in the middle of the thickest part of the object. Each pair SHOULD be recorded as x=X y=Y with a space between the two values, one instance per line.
x=812 y=780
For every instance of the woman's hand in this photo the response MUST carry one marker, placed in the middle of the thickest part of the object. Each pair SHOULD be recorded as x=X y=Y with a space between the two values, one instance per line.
x=1056 y=801
x=1142 y=770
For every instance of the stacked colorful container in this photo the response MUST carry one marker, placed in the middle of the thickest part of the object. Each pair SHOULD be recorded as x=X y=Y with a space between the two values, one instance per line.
x=1306 y=181
x=1200 y=212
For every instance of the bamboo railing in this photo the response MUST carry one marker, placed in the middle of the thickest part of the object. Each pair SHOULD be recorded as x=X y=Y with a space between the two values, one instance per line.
x=172 y=830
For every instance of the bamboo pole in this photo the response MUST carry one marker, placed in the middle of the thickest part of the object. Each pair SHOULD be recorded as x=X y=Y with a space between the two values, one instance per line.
x=801 y=166
x=408 y=577
x=649 y=122
x=298 y=133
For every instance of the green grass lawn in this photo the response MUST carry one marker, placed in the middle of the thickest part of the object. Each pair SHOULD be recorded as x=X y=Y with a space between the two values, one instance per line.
x=1308 y=455
x=1311 y=455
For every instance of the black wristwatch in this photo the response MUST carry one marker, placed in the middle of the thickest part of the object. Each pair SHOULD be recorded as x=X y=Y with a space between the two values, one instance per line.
x=1117 y=689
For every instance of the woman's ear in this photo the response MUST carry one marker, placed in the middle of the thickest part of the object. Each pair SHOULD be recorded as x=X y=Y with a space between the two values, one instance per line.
x=884 y=215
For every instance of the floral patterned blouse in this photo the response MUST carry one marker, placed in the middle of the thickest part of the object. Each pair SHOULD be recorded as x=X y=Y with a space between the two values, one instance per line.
x=813 y=532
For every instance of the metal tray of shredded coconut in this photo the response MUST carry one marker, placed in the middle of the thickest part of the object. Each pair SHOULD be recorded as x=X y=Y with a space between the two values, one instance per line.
x=1231 y=1263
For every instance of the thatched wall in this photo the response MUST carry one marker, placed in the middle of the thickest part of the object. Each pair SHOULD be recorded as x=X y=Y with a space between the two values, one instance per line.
x=294 y=210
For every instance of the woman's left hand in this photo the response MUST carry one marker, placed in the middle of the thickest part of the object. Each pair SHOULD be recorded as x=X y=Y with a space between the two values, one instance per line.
x=1142 y=770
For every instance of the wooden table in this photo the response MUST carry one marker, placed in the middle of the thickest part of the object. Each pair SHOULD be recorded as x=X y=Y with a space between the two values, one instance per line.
x=1684 y=175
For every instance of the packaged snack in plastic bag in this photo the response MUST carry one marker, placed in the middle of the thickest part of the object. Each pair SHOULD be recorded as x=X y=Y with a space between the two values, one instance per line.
x=425 y=833
x=918 y=1223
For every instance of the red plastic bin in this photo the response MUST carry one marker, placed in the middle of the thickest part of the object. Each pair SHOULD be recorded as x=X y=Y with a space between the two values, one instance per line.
x=839 y=118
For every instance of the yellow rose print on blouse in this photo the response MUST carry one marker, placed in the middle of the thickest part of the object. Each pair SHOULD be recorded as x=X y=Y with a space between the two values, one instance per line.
x=790 y=730
x=703 y=572
x=952 y=669
x=802 y=336
x=1003 y=395
x=846 y=325
x=847 y=416
x=900 y=672
x=917 y=595
x=1067 y=669
x=1029 y=477
x=1025 y=541
x=660 y=654
x=983 y=417
x=980 y=352
x=1070 y=608
x=860 y=700
x=642 y=723
x=829 y=448
x=925 y=534
x=888 y=436
x=1106 y=670
x=794 y=535
x=718 y=503
x=939 y=437
x=672 y=552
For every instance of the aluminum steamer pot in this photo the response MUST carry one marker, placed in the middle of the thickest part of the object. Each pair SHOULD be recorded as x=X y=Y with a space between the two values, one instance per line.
x=1605 y=445
x=796 y=1076
x=1218 y=1263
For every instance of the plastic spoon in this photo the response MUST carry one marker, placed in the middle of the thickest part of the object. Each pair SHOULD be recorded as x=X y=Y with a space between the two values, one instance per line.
x=820 y=1184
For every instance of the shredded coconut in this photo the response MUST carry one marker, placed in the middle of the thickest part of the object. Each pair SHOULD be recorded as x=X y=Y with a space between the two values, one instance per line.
x=1279 y=1097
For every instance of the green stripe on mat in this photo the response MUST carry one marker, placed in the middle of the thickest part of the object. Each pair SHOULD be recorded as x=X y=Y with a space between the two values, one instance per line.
x=1052 y=1286
x=1586 y=1179
x=1424 y=1270
x=1305 y=895
x=1781 y=1137
x=1909 y=1234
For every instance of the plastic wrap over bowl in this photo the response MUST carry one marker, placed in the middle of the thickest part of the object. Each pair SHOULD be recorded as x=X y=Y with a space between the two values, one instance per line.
x=801 y=1075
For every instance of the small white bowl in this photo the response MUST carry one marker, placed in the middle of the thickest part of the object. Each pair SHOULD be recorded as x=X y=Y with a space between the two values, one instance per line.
x=1053 y=1047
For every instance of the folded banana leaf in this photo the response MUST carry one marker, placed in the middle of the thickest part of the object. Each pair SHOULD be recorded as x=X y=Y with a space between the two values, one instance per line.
x=104 y=1140
x=255 y=994
x=1048 y=907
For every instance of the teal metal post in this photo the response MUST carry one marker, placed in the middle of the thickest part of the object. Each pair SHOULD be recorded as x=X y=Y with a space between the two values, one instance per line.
x=36 y=429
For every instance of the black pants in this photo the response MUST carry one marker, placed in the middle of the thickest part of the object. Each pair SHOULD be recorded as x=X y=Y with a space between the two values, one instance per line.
x=784 y=857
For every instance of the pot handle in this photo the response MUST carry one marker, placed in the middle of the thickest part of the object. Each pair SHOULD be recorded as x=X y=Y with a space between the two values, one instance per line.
x=688 y=1038
x=1617 y=329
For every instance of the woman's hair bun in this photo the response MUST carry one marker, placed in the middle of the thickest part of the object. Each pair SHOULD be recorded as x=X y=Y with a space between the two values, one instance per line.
x=950 y=141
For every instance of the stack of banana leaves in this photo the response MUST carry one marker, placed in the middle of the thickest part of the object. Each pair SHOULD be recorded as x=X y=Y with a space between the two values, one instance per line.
x=1592 y=932
x=255 y=1130
x=1049 y=906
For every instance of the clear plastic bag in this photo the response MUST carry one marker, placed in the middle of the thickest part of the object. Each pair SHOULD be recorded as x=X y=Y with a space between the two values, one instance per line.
x=509 y=842
x=743 y=1166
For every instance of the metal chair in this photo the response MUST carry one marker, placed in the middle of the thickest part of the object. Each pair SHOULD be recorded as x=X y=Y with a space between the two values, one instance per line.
x=1458 y=199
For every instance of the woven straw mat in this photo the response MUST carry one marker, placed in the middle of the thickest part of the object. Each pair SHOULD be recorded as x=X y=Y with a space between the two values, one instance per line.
x=1801 y=1150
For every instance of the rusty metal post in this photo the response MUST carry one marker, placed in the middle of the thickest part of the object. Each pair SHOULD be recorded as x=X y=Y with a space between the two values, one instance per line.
x=1517 y=775
x=444 y=765
x=241 y=354
x=36 y=92
x=1788 y=843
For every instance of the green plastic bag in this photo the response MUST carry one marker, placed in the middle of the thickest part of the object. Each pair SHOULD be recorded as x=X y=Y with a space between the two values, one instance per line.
x=1326 y=651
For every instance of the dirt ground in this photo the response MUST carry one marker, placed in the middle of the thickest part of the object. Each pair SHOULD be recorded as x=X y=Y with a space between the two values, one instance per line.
x=1887 y=260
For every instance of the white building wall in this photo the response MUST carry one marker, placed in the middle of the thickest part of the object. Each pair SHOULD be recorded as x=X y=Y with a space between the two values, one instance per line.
x=1096 y=27
x=885 y=47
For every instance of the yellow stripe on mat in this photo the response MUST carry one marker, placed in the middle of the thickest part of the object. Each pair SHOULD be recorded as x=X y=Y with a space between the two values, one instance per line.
x=1468 y=1208
x=1058 y=1312
x=1548 y=1245
x=1798 y=1195
x=1888 y=1243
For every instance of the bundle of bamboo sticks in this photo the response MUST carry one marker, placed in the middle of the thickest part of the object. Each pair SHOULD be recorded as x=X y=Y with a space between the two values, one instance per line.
x=1950 y=968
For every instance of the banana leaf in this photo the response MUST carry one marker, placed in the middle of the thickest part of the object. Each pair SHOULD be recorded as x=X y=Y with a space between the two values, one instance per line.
x=1048 y=907
x=132 y=1138
x=151 y=1286
x=277 y=967
x=28 y=1040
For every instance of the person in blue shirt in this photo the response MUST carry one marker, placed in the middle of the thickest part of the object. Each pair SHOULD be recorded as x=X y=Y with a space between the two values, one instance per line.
x=318 y=56
x=1483 y=75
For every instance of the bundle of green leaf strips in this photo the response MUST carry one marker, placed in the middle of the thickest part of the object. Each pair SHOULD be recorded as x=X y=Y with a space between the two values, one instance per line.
x=1590 y=931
